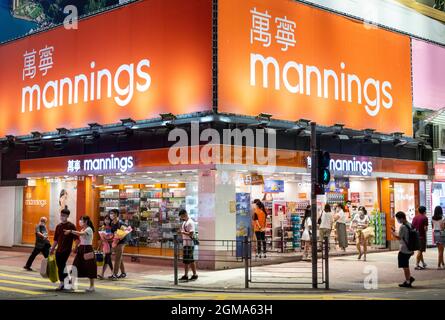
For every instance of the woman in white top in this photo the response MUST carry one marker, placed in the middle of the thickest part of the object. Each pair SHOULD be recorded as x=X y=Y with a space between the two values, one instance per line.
x=306 y=225
x=360 y=222
x=85 y=261
x=438 y=228
x=340 y=218
x=326 y=222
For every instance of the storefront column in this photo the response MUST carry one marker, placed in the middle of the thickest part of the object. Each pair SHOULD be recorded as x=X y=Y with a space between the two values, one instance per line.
x=217 y=220
x=86 y=202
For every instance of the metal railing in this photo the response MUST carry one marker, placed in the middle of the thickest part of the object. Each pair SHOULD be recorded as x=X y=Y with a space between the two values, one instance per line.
x=276 y=269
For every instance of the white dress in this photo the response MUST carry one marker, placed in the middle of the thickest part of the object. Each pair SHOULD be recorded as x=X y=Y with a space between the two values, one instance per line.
x=307 y=226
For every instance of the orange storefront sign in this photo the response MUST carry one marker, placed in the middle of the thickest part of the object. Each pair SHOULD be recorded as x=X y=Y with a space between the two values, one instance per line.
x=136 y=62
x=35 y=205
x=141 y=160
x=295 y=61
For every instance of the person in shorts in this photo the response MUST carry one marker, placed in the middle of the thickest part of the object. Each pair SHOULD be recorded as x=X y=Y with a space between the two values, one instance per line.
x=404 y=253
x=420 y=223
x=187 y=231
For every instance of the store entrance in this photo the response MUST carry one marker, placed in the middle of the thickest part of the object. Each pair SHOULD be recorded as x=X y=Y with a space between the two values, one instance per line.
x=286 y=197
x=149 y=202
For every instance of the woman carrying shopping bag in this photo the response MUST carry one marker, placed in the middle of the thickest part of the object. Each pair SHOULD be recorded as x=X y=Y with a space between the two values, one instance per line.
x=85 y=261
x=106 y=238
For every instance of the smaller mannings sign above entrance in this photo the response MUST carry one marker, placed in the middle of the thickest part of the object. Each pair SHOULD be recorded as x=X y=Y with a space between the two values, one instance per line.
x=107 y=164
x=353 y=166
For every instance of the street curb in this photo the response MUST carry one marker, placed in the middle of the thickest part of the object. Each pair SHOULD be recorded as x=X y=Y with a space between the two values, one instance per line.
x=249 y=290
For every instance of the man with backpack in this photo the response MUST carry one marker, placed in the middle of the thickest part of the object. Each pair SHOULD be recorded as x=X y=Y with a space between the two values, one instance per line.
x=409 y=242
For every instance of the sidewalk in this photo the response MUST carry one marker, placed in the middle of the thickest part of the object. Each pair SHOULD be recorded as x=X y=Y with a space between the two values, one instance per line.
x=347 y=274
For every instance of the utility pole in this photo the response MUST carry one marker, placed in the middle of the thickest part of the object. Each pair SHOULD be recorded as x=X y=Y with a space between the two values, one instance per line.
x=314 y=180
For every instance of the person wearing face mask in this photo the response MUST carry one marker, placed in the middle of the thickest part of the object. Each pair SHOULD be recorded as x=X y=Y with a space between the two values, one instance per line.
x=116 y=224
x=42 y=244
x=340 y=218
x=326 y=222
x=360 y=222
x=63 y=245
x=404 y=252
x=85 y=261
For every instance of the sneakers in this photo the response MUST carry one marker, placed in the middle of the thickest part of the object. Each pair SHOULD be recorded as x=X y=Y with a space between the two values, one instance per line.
x=113 y=277
x=122 y=276
x=184 y=278
x=90 y=290
x=60 y=287
x=100 y=277
x=194 y=277
x=27 y=268
x=419 y=268
x=405 y=285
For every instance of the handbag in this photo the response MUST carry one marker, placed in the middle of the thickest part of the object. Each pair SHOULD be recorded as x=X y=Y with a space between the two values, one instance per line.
x=442 y=236
x=99 y=259
x=53 y=274
x=44 y=268
x=88 y=256
x=195 y=239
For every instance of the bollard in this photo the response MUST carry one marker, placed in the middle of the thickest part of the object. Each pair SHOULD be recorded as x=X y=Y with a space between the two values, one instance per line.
x=246 y=261
x=326 y=264
x=175 y=259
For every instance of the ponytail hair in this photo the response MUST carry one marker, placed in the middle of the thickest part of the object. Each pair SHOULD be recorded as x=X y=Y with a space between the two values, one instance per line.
x=260 y=205
x=87 y=220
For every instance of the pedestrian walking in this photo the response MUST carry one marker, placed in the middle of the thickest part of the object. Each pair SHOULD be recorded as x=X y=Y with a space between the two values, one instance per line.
x=306 y=237
x=188 y=235
x=42 y=244
x=85 y=261
x=340 y=219
x=106 y=239
x=438 y=229
x=420 y=223
x=63 y=245
x=359 y=223
x=259 y=225
x=326 y=221
x=404 y=252
x=116 y=224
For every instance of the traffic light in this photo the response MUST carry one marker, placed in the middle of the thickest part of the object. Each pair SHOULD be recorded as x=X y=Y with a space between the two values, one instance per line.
x=323 y=174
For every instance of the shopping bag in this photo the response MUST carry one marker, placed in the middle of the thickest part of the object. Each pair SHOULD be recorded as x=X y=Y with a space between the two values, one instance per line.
x=44 y=268
x=99 y=259
x=53 y=274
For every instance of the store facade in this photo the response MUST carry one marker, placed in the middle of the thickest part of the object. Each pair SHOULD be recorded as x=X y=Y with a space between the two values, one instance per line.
x=149 y=192
x=110 y=149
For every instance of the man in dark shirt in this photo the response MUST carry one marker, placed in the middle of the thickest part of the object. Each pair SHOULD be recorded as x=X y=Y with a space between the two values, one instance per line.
x=64 y=244
x=42 y=244
x=420 y=223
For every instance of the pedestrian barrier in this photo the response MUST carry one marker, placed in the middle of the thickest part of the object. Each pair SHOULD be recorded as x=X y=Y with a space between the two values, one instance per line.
x=274 y=270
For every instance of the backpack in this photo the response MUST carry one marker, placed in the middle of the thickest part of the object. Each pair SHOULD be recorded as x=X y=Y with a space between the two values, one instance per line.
x=413 y=239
